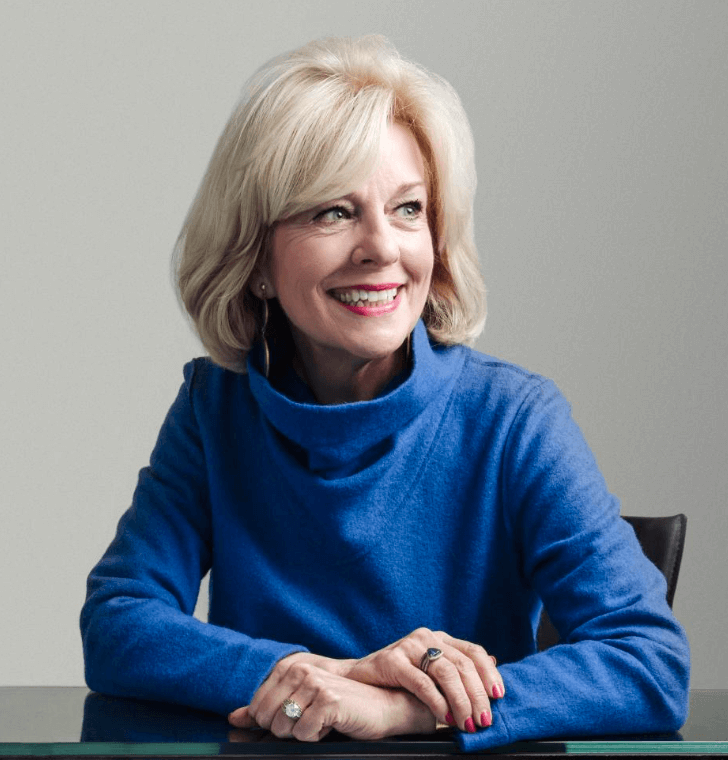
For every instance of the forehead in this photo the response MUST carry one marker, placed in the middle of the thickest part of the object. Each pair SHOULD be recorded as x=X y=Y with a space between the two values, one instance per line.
x=397 y=165
x=400 y=166
x=400 y=153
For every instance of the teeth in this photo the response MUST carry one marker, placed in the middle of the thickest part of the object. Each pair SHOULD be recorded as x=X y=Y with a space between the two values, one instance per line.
x=364 y=297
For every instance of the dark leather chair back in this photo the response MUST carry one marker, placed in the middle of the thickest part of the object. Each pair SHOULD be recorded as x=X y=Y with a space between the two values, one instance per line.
x=662 y=540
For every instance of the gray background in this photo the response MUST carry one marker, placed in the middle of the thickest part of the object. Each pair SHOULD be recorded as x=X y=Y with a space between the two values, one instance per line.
x=601 y=222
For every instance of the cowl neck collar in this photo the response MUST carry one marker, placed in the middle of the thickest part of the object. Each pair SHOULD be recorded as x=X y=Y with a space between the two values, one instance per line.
x=333 y=435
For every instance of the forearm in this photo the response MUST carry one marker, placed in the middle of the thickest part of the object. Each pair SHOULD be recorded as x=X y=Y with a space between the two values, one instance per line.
x=329 y=664
x=148 y=650
x=590 y=688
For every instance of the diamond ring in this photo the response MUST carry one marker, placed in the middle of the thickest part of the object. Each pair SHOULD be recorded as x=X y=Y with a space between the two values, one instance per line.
x=292 y=709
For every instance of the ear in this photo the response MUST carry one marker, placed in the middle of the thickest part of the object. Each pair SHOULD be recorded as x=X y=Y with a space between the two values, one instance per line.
x=262 y=285
x=263 y=289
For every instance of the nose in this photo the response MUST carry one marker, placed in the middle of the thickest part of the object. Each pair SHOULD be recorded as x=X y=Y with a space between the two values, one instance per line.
x=377 y=244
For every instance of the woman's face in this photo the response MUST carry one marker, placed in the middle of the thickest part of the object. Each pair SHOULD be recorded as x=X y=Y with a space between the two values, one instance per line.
x=352 y=275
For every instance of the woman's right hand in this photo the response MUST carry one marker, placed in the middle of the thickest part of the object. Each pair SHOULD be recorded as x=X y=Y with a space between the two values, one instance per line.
x=457 y=687
x=330 y=701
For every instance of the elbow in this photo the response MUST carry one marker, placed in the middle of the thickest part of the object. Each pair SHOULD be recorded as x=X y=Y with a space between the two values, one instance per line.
x=101 y=668
x=671 y=672
x=677 y=700
x=672 y=707
x=655 y=673
x=96 y=656
x=91 y=659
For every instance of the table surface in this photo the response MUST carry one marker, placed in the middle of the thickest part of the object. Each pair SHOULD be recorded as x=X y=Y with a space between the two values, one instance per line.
x=73 y=722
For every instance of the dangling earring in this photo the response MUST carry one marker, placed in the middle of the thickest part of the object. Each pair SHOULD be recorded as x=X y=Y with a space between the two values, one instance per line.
x=409 y=349
x=266 y=365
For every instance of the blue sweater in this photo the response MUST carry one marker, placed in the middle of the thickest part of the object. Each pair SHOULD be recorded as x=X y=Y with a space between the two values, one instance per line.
x=459 y=500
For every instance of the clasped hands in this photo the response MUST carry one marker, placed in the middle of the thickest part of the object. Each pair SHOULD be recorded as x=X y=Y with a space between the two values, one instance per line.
x=382 y=694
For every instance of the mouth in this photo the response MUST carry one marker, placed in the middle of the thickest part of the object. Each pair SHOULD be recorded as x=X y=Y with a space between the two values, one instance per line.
x=367 y=295
x=369 y=300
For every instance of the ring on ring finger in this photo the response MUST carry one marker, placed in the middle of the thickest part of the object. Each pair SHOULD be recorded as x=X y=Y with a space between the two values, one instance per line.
x=291 y=709
x=430 y=655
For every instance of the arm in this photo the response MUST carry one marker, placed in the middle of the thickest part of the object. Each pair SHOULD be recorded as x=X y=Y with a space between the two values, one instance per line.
x=139 y=636
x=624 y=664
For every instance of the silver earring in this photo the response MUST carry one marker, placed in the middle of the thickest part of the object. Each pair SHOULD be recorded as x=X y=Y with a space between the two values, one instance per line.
x=266 y=366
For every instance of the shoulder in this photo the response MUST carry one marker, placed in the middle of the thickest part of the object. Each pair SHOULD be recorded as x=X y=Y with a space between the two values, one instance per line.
x=203 y=372
x=208 y=385
x=499 y=384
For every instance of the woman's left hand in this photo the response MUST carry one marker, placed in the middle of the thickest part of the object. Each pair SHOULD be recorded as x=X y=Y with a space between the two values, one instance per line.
x=330 y=701
x=457 y=687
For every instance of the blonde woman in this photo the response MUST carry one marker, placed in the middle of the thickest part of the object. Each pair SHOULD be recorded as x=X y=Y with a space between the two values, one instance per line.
x=383 y=510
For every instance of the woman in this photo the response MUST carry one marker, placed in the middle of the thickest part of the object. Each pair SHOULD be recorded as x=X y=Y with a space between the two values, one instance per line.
x=383 y=510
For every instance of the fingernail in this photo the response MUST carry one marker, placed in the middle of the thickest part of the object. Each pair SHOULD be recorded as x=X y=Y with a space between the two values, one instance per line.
x=485 y=718
x=497 y=691
x=495 y=662
x=449 y=719
x=470 y=726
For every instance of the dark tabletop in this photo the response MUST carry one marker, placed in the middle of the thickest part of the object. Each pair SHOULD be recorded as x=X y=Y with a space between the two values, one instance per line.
x=73 y=722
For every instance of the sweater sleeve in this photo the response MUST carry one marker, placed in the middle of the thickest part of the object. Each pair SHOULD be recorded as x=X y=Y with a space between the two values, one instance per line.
x=140 y=638
x=623 y=666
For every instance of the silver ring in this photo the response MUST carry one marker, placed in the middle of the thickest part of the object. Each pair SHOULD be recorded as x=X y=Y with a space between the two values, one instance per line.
x=429 y=656
x=292 y=709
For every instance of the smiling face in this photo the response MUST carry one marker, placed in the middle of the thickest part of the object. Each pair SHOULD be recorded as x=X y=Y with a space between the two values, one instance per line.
x=353 y=274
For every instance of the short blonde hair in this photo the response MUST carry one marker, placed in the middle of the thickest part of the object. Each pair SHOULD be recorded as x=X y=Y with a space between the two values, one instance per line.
x=306 y=130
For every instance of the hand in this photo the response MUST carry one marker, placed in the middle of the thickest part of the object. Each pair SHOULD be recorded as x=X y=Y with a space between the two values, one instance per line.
x=456 y=686
x=330 y=701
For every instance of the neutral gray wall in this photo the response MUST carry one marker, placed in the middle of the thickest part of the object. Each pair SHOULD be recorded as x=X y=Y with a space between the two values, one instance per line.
x=601 y=222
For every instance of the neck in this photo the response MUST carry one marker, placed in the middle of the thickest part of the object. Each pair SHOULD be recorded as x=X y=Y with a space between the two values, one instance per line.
x=344 y=379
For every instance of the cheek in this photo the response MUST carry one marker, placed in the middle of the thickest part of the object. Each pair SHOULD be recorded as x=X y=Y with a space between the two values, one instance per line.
x=299 y=278
x=423 y=263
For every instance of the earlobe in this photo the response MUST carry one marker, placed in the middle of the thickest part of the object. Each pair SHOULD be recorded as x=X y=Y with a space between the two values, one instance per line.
x=264 y=290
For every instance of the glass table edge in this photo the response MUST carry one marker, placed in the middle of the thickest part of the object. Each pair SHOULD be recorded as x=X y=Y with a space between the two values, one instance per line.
x=202 y=749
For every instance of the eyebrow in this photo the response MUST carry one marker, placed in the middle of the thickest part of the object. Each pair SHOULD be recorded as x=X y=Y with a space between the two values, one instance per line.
x=401 y=190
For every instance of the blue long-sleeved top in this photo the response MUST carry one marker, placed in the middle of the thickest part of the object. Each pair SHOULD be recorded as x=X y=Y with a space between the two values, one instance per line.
x=459 y=500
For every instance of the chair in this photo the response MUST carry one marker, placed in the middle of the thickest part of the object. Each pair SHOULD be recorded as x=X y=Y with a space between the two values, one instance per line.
x=662 y=540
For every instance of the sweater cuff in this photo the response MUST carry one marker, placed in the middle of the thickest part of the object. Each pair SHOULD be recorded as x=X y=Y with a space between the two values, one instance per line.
x=239 y=690
x=496 y=735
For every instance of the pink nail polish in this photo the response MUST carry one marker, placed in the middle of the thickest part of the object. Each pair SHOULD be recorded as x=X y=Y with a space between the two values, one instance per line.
x=486 y=719
x=449 y=719
x=470 y=726
x=497 y=691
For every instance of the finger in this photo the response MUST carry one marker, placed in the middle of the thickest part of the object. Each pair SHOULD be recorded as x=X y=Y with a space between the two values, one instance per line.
x=322 y=716
x=467 y=699
x=241 y=718
x=485 y=664
x=472 y=681
x=448 y=678
x=282 y=726
x=312 y=725
x=304 y=696
x=425 y=689
x=268 y=700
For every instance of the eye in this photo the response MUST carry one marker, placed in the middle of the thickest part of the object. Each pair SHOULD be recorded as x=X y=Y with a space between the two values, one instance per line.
x=411 y=209
x=332 y=215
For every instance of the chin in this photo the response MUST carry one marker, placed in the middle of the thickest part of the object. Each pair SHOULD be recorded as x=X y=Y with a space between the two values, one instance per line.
x=376 y=348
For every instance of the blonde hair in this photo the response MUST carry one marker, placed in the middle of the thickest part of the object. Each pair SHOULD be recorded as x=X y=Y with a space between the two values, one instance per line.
x=306 y=130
